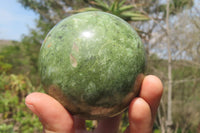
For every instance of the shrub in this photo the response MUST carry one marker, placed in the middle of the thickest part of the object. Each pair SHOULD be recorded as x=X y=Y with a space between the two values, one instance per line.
x=14 y=115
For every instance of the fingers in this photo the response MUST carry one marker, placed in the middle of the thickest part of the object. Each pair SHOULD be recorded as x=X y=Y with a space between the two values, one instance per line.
x=142 y=110
x=140 y=118
x=56 y=119
x=52 y=114
x=109 y=125
x=151 y=92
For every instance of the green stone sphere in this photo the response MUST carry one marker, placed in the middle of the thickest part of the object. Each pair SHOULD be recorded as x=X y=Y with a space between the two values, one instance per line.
x=93 y=64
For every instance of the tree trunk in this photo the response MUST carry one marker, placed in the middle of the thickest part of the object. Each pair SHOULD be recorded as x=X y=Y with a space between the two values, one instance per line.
x=169 y=108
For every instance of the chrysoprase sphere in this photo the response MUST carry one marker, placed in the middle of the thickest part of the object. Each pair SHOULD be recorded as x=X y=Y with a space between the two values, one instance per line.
x=93 y=64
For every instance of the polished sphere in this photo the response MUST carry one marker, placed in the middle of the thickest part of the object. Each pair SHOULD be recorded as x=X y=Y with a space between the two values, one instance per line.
x=93 y=64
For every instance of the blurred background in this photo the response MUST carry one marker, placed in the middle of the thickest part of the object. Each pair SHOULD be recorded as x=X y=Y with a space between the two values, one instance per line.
x=170 y=31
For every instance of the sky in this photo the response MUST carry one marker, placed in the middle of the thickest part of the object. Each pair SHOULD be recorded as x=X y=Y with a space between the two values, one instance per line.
x=15 y=20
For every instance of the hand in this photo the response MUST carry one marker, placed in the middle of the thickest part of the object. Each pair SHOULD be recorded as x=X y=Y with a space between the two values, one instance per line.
x=142 y=111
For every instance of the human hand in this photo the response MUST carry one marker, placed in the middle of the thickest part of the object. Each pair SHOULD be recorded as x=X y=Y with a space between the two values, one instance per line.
x=142 y=111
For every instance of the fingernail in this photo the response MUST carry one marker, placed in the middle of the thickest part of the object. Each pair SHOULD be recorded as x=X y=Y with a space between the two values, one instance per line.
x=32 y=108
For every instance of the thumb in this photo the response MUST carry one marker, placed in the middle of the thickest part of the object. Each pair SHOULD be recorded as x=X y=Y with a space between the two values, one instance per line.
x=52 y=114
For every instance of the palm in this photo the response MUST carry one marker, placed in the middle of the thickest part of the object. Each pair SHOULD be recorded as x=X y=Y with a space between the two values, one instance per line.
x=109 y=125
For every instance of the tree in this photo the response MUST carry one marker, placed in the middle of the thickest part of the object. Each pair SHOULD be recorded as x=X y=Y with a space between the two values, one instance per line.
x=186 y=42
x=120 y=8
x=169 y=101
x=184 y=38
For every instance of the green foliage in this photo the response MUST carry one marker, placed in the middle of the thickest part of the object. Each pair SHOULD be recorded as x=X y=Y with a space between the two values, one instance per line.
x=177 y=6
x=156 y=131
x=13 y=56
x=4 y=67
x=14 y=115
x=6 y=128
x=89 y=125
x=186 y=95
x=51 y=11
x=124 y=122
x=186 y=91
x=118 y=8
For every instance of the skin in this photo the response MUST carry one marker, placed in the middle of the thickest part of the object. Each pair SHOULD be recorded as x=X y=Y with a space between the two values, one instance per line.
x=142 y=111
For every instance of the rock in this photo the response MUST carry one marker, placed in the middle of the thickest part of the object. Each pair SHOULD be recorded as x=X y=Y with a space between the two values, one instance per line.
x=93 y=64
